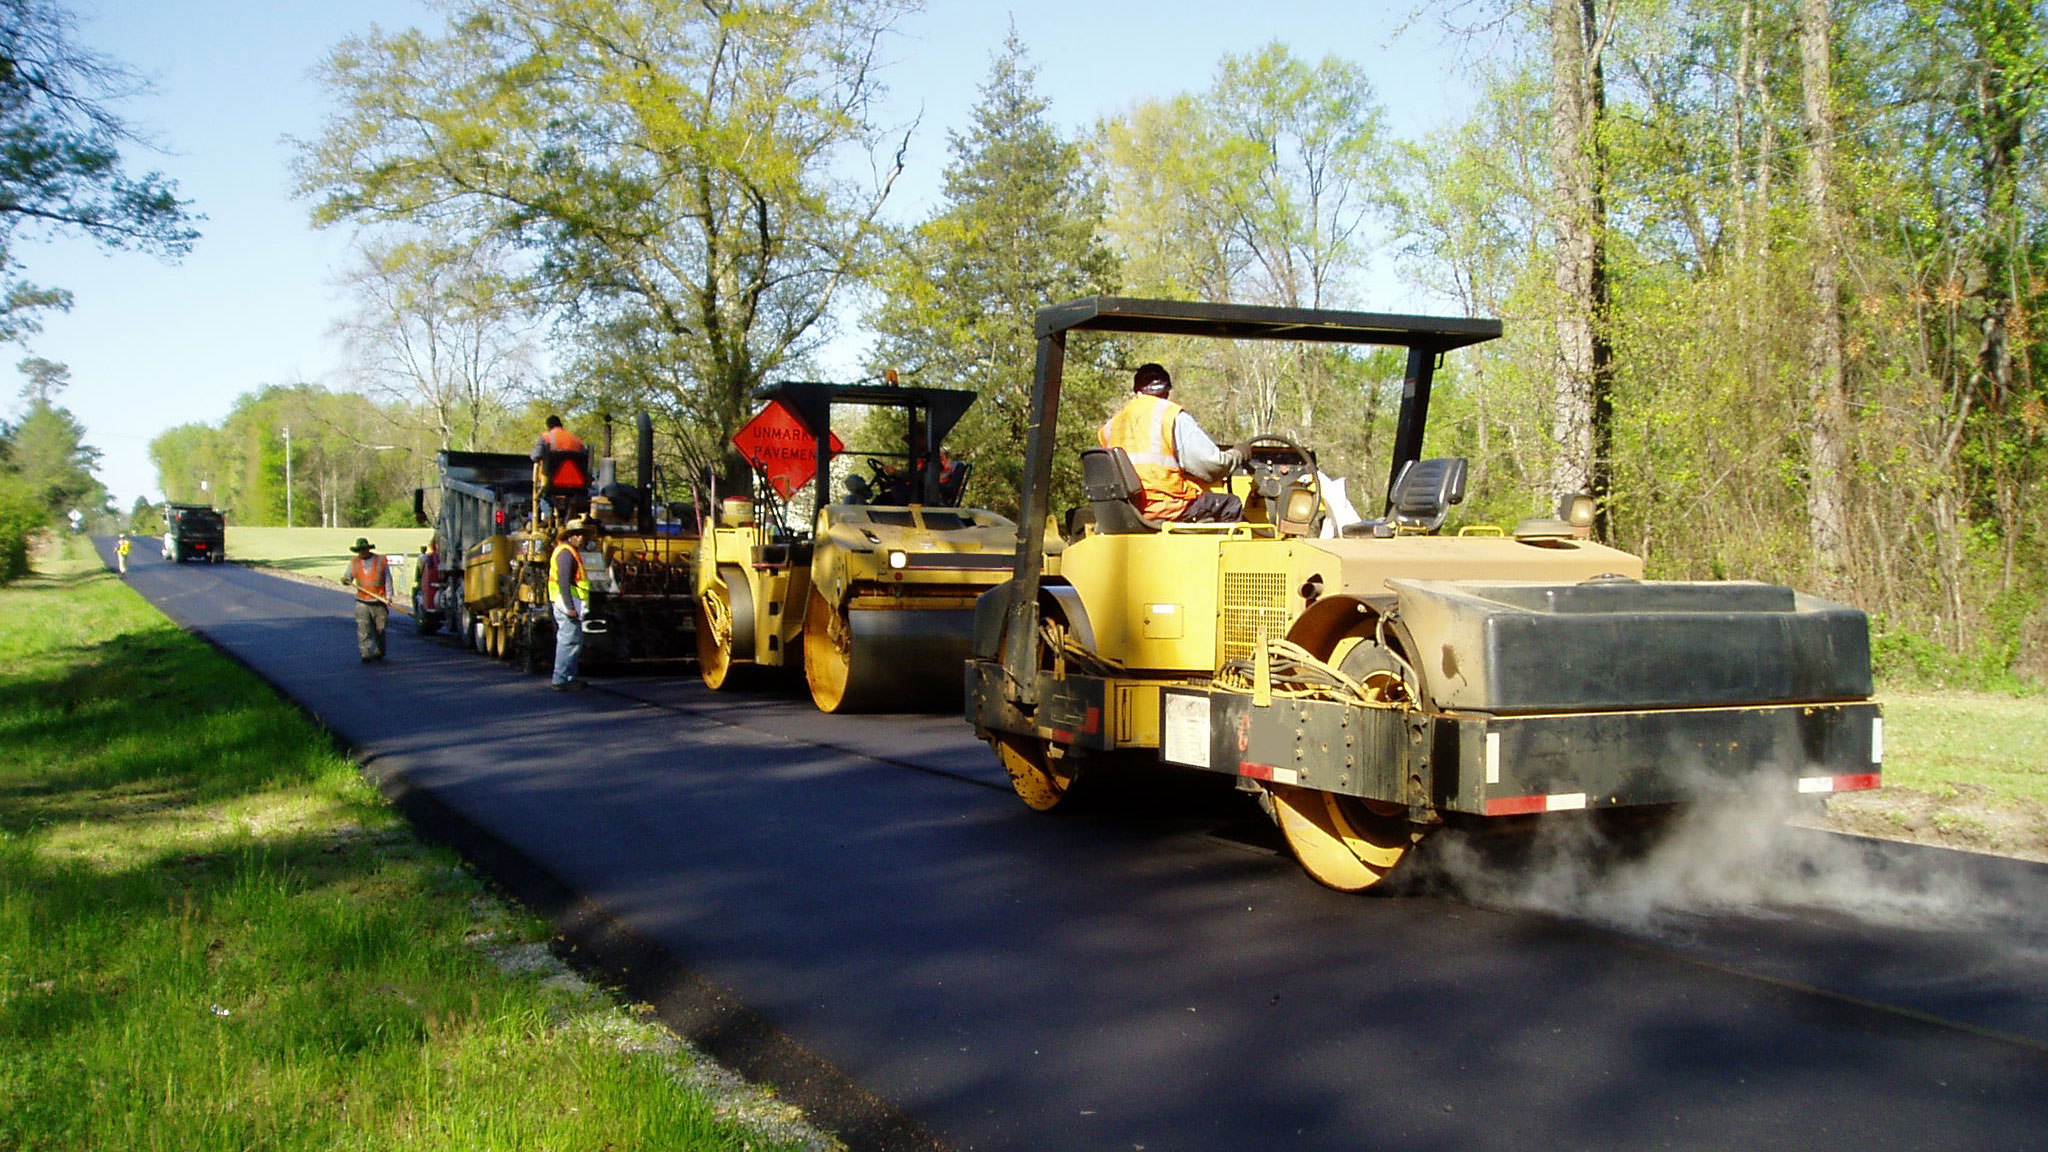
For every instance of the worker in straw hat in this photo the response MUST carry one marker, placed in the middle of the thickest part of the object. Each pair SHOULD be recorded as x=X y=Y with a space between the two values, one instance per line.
x=370 y=574
x=569 y=594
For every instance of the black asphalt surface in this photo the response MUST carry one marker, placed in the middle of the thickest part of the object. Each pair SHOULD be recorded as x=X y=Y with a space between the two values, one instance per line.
x=1157 y=975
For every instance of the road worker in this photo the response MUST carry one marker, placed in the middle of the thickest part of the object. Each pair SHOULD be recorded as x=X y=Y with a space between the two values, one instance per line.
x=1174 y=458
x=567 y=473
x=569 y=593
x=370 y=575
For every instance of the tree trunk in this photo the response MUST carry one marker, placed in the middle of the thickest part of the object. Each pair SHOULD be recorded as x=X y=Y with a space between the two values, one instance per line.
x=1582 y=409
x=1827 y=483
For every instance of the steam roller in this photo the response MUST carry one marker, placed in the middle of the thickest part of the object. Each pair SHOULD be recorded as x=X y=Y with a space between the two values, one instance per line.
x=877 y=593
x=1372 y=684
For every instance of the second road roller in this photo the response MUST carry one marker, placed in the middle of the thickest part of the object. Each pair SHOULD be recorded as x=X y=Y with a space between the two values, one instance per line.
x=872 y=595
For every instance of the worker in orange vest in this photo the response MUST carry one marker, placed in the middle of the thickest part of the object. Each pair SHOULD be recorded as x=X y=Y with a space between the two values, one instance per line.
x=567 y=473
x=1174 y=458
x=370 y=574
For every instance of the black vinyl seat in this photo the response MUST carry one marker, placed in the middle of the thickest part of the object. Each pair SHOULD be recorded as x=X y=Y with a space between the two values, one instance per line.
x=1421 y=498
x=1109 y=482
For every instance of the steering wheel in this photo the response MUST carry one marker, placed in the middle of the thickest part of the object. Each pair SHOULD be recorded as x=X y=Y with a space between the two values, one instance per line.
x=1271 y=480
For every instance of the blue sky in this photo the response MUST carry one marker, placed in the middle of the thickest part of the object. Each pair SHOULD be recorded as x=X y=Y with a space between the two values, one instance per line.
x=153 y=345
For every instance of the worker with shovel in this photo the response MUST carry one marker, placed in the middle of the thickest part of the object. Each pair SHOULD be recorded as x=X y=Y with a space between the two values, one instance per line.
x=371 y=576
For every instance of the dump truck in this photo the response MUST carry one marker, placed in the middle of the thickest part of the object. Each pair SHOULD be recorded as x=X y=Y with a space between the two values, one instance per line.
x=1376 y=686
x=872 y=596
x=194 y=532
x=484 y=497
x=484 y=577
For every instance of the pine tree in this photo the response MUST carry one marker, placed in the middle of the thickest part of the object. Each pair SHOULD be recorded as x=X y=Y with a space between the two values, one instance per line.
x=1020 y=228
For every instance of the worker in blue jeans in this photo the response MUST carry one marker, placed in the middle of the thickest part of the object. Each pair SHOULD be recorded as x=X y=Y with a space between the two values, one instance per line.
x=569 y=593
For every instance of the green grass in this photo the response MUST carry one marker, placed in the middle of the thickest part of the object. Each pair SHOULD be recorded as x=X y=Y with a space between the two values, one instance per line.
x=214 y=934
x=318 y=550
x=1936 y=742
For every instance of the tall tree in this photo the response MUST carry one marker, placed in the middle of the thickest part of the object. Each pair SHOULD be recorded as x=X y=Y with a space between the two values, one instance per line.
x=1827 y=422
x=441 y=328
x=47 y=447
x=1256 y=189
x=1582 y=416
x=1020 y=228
x=60 y=158
x=675 y=165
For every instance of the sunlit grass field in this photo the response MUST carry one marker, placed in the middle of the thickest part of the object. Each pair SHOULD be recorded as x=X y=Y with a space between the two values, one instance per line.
x=318 y=550
x=215 y=935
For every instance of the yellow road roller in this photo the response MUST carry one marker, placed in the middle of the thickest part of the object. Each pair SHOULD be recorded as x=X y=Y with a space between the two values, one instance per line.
x=1372 y=686
x=872 y=596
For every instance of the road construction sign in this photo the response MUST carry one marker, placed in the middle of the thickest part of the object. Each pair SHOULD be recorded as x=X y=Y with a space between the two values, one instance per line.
x=778 y=445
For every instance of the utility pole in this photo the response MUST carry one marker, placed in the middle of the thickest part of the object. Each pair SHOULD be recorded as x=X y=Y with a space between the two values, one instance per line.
x=287 y=475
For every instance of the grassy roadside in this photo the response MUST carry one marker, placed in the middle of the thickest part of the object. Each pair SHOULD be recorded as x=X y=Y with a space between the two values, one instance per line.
x=1961 y=769
x=214 y=934
x=319 y=551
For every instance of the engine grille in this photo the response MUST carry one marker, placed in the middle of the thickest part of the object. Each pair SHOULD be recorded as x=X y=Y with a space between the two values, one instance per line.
x=1253 y=603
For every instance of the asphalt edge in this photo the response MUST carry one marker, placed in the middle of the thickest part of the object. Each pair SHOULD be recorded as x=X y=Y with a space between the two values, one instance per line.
x=601 y=946
x=696 y=1008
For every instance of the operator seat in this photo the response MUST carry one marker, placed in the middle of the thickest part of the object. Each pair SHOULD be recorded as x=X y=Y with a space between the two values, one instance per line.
x=1420 y=500
x=1109 y=482
x=951 y=487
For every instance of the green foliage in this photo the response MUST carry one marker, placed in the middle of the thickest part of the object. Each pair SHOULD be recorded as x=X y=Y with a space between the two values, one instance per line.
x=1019 y=229
x=145 y=519
x=216 y=935
x=351 y=458
x=46 y=455
x=22 y=515
x=675 y=169
x=47 y=450
x=1258 y=190
x=1255 y=190
x=60 y=158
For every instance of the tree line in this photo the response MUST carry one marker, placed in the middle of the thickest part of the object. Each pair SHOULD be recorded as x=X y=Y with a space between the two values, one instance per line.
x=1768 y=268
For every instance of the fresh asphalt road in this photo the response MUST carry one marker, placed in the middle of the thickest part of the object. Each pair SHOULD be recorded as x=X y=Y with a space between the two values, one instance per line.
x=1157 y=976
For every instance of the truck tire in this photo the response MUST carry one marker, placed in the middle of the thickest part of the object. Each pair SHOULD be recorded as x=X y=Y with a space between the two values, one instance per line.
x=537 y=647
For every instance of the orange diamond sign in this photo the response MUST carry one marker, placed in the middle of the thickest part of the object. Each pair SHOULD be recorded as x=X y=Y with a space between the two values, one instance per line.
x=778 y=445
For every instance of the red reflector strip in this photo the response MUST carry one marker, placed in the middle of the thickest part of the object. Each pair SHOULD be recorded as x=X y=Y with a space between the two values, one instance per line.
x=1277 y=775
x=1523 y=805
x=1093 y=723
x=1853 y=782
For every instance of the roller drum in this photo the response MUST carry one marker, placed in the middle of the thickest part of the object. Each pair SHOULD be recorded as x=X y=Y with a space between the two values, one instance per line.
x=885 y=659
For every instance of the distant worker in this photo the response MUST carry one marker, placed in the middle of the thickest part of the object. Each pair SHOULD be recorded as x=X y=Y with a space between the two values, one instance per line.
x=1174 y=458
x=569 y=592
x=121 y=554
x=370 y=575
x=564 y=471
x=907 y=486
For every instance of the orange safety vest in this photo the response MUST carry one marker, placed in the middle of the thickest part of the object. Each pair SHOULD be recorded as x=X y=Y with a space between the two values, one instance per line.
x=567 y=473
x=376 y=574
x=1143 y=428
